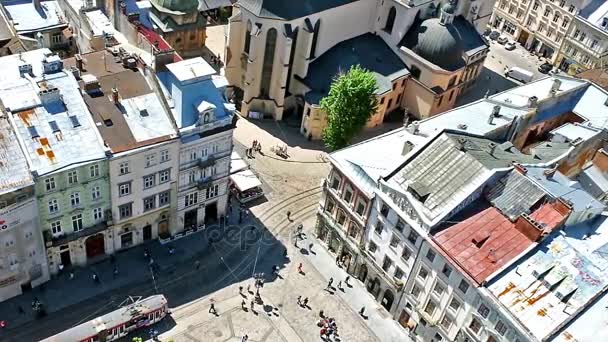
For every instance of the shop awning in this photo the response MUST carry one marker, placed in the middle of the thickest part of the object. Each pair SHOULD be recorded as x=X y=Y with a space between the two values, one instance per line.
x=237 y=163
x=245 y=180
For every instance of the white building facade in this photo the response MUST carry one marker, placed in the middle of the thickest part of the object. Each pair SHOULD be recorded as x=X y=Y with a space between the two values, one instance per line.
x=142 y=185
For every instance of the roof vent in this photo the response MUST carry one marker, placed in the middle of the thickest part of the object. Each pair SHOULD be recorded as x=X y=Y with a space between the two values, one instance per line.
x=408 y=146
x=25 y=69
x=532 y=101
x=520 y=168
x=555 y=87
x=492 y=147
x=462 y=126
x=413 y=128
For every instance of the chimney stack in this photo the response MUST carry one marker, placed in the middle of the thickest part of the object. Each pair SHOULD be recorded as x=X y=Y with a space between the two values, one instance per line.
x=527 y=226
x=520 y=168
x=492 y=148
x=495 y=114
x=413 y=127
x=115 y=96
x=532 y=101
x=79 y=61
x=555 y=86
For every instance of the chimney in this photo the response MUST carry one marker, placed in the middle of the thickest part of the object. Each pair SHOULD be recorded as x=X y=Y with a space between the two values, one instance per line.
x=549 y=173
x=115 y=96
x=555 y=86
x=527 y=226
x=520 y=168
x=492 y=148
x=532 y=101
x=495 y=113
x=413 y=128
x=79 y=61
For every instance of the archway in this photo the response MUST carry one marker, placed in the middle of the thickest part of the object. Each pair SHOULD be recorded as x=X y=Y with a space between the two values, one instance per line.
x=363 y=273
x=95 y=245
x=374 y=287
x=387 y=300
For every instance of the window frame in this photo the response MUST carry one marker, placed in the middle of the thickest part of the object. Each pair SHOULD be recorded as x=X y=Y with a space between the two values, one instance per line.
x=128 y=207
x=151 y=178
x=128 y=189
x=77 y=223
x=124 y=168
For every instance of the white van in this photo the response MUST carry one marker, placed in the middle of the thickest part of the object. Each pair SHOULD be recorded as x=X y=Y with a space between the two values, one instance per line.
x=519 y=74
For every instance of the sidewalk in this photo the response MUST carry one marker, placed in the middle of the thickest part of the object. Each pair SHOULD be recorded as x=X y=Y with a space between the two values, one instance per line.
x=133 y=268
x=381 y=323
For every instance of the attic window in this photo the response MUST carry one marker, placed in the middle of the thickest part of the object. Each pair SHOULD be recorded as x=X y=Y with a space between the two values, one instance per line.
x=54 y=126
x=33 y=132
x=479 y=241
x=74 y=121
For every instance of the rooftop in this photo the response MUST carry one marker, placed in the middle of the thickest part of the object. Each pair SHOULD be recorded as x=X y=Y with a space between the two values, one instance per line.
x=280 y=9
x=187 y=84
x=372 y=159
x=443 y=45
x=485 y=240
x=51 y=118
x=563 y=187
x=138 y=119
x=560 y=276
x=449 y=169
x=100 y=24
x=514 y=194
x=14 y=172
x=27 y=19
x=367 y=50
x=595 y=13
x=598 y=76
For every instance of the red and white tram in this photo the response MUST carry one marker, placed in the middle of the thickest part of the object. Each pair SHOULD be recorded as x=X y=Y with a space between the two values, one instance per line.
x=118 y=323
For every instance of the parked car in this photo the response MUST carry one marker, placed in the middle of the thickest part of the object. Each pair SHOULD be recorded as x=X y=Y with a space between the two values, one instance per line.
x=502 y=40
x=494 y=35
x=545 y=68
x=519 y=74
x=510 y=46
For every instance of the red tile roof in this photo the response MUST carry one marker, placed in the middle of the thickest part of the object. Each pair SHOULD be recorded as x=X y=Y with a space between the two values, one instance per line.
x=487 y=241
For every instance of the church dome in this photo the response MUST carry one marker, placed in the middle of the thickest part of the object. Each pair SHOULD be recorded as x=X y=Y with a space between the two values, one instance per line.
x=437 y=42
x=178 y=5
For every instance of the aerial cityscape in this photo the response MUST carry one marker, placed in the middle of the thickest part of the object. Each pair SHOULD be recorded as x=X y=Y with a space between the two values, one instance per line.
x=299 y=171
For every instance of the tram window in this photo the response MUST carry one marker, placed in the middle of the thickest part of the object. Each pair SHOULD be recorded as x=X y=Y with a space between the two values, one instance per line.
x=157 y=314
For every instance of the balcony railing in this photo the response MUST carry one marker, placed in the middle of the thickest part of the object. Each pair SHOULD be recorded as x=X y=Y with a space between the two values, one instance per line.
x=206 y=162
x=54 y=241
x=204 y=183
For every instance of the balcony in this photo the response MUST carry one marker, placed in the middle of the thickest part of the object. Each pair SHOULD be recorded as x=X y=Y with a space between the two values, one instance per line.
x=203 y=163
x=55 y=241
x=204 y=183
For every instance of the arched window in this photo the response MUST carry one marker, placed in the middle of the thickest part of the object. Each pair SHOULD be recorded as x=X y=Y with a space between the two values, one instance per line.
x=248 y=37
x=271 y=42
x=390 y=20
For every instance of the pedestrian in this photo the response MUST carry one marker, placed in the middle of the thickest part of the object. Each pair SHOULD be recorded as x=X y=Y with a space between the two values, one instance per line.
x=240 y=290
x=305 y=302
x=300 y=300
x=245 y=338
x=362 y=311
x=95 y=278
x=338 y=260
x=197 y=264
x=212 y=309
x=321 y=314
x=340 y=285
x=300 y=268
x=249 y=288
x=252 y=304
x=60 y=268
x=243 y=305
x=115 y=272
x=346 y=280
x=331 y=280
x=310 y=247
x=288 y=215
x=71 y=275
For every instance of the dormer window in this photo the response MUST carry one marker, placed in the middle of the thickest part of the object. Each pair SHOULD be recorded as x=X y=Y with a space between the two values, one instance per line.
x=206 y=112
x=206 y=118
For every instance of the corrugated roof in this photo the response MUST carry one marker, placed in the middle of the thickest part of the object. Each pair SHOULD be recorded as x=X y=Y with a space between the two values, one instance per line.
x=514 y=194
x=14 y=172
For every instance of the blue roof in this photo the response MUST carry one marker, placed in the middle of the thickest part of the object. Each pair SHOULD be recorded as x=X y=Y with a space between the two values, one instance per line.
x=187 y=98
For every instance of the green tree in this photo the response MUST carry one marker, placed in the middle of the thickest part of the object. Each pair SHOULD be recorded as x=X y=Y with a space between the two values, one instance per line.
x=349 y=104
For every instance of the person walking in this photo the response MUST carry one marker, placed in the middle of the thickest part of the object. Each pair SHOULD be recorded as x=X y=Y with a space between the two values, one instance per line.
x=240 y=290
x=362 y=311
x=71 y=275
x=339 y=286
x=243 y=305
x=300 y=268
x=300 y=300
x=338 y=260
x=331 y=281
x=95 y=278
x=197 y=264
x=212 y=309
x=305 y=302
x=252 y=305
x=310 y=247
x=346 y=280
x=289 y=215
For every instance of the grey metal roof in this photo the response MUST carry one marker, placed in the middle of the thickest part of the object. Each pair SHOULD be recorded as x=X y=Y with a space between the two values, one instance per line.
x=514 y=194
x=287 y=10
x=367 y=50
x=443 y=45
x=450 y=168
x=594 y=181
